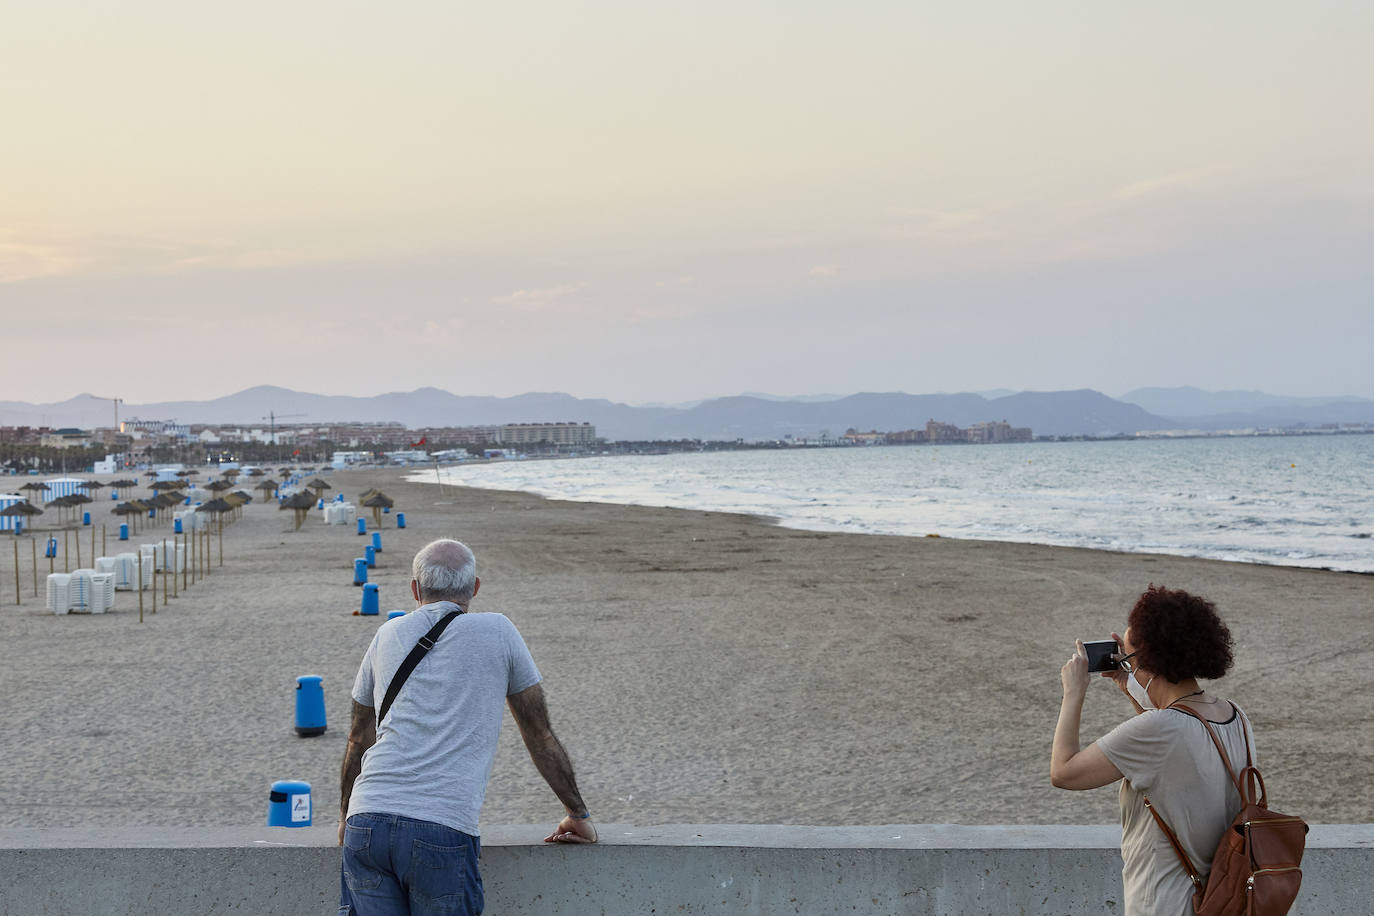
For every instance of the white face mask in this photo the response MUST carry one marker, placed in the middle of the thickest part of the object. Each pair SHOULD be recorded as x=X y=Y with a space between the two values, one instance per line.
x=1140 y=694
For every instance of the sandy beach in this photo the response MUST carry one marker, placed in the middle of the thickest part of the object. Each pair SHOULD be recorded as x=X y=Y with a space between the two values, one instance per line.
x=700 y=667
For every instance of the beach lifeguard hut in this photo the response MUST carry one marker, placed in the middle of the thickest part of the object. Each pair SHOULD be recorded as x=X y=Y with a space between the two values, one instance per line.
x=62 y=486
x=8 y=522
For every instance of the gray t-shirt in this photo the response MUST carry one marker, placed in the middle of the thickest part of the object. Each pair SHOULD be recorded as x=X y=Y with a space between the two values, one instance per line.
x=1168 y=756
x=435 y=748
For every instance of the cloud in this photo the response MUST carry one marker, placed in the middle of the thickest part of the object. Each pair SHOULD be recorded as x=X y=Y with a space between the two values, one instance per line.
x=538 y=299
x=29 y=256
x=1164 y=184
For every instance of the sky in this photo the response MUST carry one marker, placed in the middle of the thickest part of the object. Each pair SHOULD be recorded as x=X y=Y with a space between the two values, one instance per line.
x=667 y=202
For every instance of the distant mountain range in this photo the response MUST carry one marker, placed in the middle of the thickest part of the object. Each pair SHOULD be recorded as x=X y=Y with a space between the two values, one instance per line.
x=1083 y=412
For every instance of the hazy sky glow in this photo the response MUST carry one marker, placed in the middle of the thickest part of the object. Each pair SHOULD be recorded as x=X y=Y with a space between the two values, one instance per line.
x=654 y=202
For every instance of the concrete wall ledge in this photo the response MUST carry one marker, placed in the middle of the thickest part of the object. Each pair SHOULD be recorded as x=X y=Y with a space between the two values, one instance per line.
x=681 y=868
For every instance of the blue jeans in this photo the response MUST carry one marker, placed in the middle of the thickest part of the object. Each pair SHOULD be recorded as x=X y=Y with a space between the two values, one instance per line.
x=399 y=866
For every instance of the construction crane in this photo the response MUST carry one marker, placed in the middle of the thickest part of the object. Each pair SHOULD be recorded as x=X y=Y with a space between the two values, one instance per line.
x=117 y=402
x=272 y=418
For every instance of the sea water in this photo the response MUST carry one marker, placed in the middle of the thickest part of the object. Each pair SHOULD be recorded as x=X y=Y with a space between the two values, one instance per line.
x=1290 y=500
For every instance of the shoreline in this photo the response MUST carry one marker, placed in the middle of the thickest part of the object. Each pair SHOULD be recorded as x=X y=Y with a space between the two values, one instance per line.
x=701 y=667
x=784 y=522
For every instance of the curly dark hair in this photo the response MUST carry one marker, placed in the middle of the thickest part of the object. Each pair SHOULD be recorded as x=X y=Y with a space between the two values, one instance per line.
x=1178 y=635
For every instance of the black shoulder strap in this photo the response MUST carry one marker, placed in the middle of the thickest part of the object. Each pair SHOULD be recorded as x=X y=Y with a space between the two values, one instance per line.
x=424 y=645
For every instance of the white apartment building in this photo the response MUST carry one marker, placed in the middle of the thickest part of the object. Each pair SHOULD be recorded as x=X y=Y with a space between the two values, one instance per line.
x=553 y=433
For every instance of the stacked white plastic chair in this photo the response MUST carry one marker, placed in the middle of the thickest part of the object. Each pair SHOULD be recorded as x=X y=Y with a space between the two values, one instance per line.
x=103 y=585
x=125 y=571
x=81 y=591
x=105 y=565
x=146 y=552
x=59 y=601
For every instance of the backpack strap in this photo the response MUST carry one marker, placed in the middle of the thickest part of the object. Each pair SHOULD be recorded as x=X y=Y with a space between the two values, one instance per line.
x=421 y=648
x=1178 y=847
x=1250 y=775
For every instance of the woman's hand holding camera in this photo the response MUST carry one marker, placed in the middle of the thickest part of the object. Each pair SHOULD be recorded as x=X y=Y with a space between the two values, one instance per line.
x=1118 y=674
x=1074 y=674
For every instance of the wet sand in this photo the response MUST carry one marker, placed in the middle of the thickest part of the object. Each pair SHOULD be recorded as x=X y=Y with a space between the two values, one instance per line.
x=700 y=667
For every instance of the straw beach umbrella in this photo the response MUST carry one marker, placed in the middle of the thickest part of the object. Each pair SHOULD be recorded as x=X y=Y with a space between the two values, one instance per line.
x=219 y=486
x=33 y=487
x=319 y=486
x=377 y=502
x=268 y=488
x=301 y=503
x=21 y=510
x=123 y=483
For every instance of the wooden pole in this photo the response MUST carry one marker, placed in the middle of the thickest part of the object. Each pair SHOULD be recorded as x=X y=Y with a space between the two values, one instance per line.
x=104 y=550
x=176 y=551
x=66 y=549
x=78 y=551
x=221 y=539
x=93 y=546
x=140 y=556
x=16 y=569
x=184 y=565
x=164 y=569
x=140 y=586
x=33 y=543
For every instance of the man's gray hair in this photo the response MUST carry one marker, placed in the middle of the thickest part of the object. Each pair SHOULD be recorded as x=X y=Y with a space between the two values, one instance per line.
x=446 y=570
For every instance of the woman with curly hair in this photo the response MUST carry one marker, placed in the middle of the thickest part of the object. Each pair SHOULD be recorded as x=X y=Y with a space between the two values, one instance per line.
x=1173 y=638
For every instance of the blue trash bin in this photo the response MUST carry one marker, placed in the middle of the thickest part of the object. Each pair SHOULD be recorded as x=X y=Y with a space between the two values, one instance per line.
x=152 y=513
x=176 y=526
x=310 y=719
x=114 y=495
x=400 y=519
x=377 y=541
x=371 y=556
x=386 y=510
x=50 y=549
x=124 y=531
x=186 y=501
x=371 y=600
x=360 y=571
x=289 y=804
x=391 y=614
x=362 y=526
x=339 y=498
x=86 y=519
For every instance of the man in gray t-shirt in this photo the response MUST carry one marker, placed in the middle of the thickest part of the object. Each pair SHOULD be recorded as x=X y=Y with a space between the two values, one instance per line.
x=413 y=783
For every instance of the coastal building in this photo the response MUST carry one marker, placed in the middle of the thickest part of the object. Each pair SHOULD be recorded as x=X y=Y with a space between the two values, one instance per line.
x=551 y=433
x=345 y=459
x=944 y=432
x=407 y=456
x=156 y=429
x=854 y=437
x=1000 y=431
x=69 y=437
